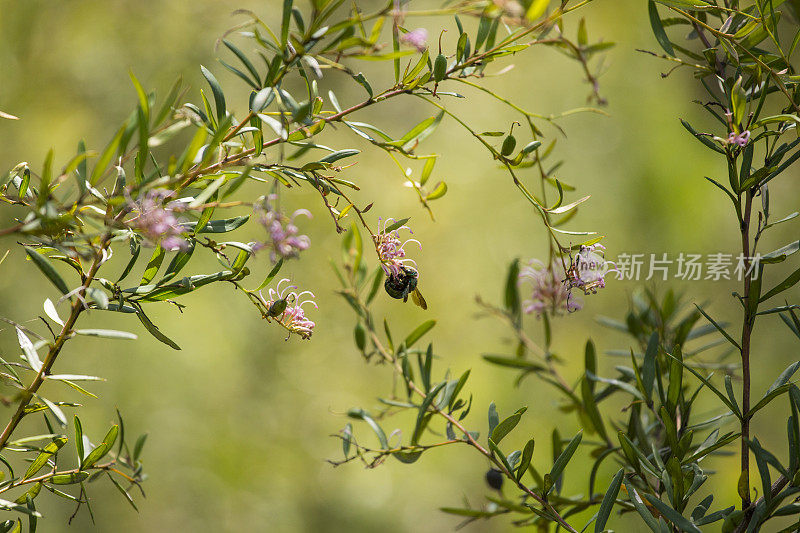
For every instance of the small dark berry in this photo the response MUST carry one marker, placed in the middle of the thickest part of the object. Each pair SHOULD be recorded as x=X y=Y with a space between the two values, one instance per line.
x=494 y=478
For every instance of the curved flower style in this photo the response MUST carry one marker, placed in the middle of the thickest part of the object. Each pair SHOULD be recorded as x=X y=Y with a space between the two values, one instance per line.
x=286 y=306
x=549 y=291
x=739 y=139
x=284 y=241
x=589 y=268
x=391 y=249
x=157 y=221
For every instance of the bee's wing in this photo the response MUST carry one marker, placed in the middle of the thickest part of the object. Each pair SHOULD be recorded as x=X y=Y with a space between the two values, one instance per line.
x=416 y=296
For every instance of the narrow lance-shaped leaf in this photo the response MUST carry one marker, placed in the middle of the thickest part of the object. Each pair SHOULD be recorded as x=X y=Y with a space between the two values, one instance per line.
x=658 y=29
x=41 y=460
x=423 y=410
x=219 y=96
x=360 y=414
x=683 y=523
x=607 y=504
x=562 y=460
x=102 y=449
x=525 y=461
x=153 y=329
x=47 y=269
x=506 y=426
x=418 y=333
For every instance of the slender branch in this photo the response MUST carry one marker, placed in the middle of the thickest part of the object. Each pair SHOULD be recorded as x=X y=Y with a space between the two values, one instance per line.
x=55 y=348
x=472 y=441
x=747 y=327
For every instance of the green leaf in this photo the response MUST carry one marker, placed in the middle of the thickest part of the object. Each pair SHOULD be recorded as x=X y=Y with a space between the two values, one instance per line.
x=218 y=226
x=506 y=426
x=771 y=395
x=419 y=132
x=341 y=154
x=423 y=411
x=47 y=269
x=360 y=414
x=511 y=298
x=702 y=138
x=525 y=461
x=607 y=504
x=271 y=275
x=178 y=262
x=719 y=328
x=31 y=355
x=686 y=4
x=514 y=362
x=786 y=284
x=57 y=412
x=102 y=449
x=590 y=407
x=79 y=438
x=649 y=365
x=285 y=20
x=675 y=381
x=734 y=409
x=397 y=225
x=421 y=63
x=219 y=96
x=417 y=334
x=494 y=418
x=69 y=479
x=672 y=515
x=107 y=334
x=645 y=513
x=564 y=457
x=41 y=460
x=153 y=265
x=781 y=253
x=105 y=158
x=658 y=29
x=153 y=329
x=243 y=58
x=364 y=83
x=437 y=192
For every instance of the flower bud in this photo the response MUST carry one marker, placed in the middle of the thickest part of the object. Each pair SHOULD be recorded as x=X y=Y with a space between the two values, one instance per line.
x=439 y=68
x=508 y=145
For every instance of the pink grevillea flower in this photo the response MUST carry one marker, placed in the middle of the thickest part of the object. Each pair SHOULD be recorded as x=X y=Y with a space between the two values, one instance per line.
x=284 y=241
x=157 y=221
x=739 y=139
x=417 y=38
x=286 y=306
x=548 y=290
x=589 y=268
x=391 y=249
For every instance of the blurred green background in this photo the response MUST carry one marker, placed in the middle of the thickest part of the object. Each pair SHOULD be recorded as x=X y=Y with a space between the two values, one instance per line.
x=240 y=420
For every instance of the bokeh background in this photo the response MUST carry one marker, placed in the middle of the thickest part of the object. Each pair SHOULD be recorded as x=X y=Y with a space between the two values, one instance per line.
x=239 y=421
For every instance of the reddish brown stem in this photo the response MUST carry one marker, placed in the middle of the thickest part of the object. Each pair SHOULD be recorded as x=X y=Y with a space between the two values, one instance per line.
x=747 y=328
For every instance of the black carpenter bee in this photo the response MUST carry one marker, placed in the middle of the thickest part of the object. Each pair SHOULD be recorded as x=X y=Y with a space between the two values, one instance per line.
x=401 y=285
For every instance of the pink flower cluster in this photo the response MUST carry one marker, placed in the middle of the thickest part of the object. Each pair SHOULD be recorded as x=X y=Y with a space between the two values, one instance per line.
x=284 y=241
x=548 y=290
x=391 y=249
x=417 y=38
x=289 y=301
x=552 y=285
x=739 y=139
x=157 y=221
x=589 y=268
